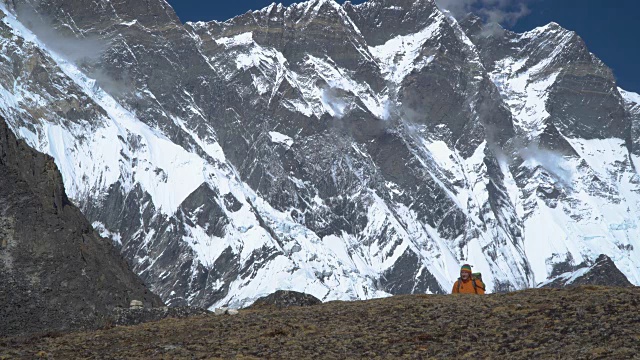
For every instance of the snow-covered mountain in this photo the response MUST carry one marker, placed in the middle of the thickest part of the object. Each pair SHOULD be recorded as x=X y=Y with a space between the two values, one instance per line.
x=347 y=151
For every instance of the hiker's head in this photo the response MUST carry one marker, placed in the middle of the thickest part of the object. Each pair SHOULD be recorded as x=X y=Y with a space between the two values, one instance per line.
x=465 y=272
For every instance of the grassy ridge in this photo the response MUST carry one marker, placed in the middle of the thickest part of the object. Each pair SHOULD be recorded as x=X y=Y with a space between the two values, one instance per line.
x=580 y=323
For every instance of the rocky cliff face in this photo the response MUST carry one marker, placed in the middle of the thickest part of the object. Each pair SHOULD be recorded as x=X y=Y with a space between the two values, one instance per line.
x=345 y=151
x=56 y=271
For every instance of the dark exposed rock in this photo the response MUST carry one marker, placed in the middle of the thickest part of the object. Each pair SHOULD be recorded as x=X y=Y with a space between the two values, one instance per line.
x=202 y=208
x=286 y=298
x=56 y=272
x=603 y=272
x=633 y=113
x=407 y=266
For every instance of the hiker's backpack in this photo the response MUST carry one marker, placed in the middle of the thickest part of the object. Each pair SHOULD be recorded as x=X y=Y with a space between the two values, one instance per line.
x=474 y=277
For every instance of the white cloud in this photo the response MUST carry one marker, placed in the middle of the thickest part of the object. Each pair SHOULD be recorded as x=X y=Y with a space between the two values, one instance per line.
x=505 y=12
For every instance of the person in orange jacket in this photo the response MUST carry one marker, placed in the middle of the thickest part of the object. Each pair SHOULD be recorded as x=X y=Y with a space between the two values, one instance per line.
x=466 y=284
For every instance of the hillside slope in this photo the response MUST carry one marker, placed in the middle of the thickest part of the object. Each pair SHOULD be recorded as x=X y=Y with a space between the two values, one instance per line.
x=581 y=323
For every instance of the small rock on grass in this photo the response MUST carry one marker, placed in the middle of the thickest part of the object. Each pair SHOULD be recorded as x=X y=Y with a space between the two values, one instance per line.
x=220 y=311
x=224 y=310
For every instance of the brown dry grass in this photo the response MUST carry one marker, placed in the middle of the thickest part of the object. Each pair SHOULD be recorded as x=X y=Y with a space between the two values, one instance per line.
x=581 y=323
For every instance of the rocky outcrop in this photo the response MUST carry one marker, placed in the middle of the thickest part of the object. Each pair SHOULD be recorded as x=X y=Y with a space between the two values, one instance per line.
x=56 y=272
x=286 y=298
x=603 y=272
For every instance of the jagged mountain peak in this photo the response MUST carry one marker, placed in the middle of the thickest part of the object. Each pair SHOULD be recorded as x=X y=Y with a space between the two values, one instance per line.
x=480 y=30
x=277 y=26
x=602 y=272
x=313 y=7
x=77 y=17
x=380 y=21
x=550 y=31
x=552 y=26
x=306 y=10
x=297 y=13
x=554 y=55
x=392 y=4
x=629 y=97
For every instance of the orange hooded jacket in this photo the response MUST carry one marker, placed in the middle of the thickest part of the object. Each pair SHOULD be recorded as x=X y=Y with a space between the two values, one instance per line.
x=466 y=287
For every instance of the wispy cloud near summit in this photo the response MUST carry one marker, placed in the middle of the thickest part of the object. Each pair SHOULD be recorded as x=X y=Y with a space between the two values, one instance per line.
x=505 y=12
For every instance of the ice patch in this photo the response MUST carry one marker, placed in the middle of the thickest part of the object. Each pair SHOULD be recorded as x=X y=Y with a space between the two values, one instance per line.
x=630 y=97
x=238 y=40
x=279 y=138
x=401 y=55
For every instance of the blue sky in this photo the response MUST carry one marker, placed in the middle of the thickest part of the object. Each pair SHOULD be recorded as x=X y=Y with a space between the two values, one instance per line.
x=609 y=27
